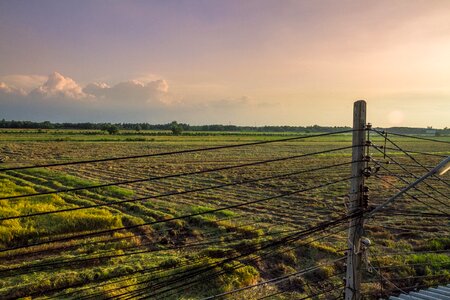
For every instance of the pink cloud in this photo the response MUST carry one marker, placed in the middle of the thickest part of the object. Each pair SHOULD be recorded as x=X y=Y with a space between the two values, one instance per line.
x=59 y=86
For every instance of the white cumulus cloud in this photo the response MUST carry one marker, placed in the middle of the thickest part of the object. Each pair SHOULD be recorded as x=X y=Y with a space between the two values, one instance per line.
x=11 y=90
x=60 y=98
x=24 y=82
x=130 y=92
x=58 y=86
x=63 y=88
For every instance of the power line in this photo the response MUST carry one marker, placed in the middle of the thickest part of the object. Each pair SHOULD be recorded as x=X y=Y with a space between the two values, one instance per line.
x=414 y=152
x=409 y=176
x=410 y=173
x=175 y=247
x=172 y=152
x=254 y=260
x=164 y=287
x=416 y=188
x=323 y=237
x=424 y=228
x=322 y=293
x=415 y=277
x=383 y=277
x=174 y=175
x=413 y=265
x=195 y=272
x=414 y=137
x=417 y=214
x=171 y=194
x=325 y=279
x=295 y=247
x=413 y=197
x=409 y=230
x=142 y=291
x=260 y=257
x=410 y=156
x=110 y=240
x=65 y=247
x=289 y=239
x=218 y=273
x=177 y=218
x=271 y=295
x=273 y=280
x=411 y=253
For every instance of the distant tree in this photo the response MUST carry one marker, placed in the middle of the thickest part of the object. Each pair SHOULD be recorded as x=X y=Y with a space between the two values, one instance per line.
x=47 y=125
x=113 y=129
x=110 y=128
x=176 y=128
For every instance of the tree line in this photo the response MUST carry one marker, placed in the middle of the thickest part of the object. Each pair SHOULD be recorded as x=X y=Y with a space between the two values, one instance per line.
x=178 y=128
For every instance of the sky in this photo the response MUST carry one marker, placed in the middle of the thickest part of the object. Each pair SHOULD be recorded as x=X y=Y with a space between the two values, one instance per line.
x=253 y=62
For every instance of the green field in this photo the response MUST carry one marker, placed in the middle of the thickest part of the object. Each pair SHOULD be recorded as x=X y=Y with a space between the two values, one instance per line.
x=159 y=260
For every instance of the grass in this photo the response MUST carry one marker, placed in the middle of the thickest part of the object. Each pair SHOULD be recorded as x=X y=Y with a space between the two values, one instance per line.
x=164 y=249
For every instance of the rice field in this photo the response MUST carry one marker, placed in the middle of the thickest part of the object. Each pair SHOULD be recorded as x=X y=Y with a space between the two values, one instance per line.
x=222 y=250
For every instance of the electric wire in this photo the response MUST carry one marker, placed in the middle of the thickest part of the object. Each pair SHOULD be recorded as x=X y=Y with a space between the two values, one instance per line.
x=65 y=247
x=257 y=258
x=175 y=284
x=412 y=265
x=412 y=196
x=403 y=151
x=410 y=156
x=172 y=152
x=103 y=257
x=321 y=293
x=411 y=253
x=306 y=283
x=175 y=175
x=263 y=255
x=414 y=277
x=418 y=214
x=95 y=233
x=391 y=173
x=410 y=173
x=277 y=279
x=293 y=238
x=407 y=182
x=242 y=182
x=415 y=137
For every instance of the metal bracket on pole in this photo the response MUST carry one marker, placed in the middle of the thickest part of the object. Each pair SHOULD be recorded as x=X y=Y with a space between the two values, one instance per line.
x=440 y=169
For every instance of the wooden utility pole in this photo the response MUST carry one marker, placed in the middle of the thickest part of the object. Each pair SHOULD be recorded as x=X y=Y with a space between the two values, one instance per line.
x=354 y=255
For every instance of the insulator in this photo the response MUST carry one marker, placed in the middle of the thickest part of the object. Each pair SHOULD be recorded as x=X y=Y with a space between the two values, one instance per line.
x=367 y=172
x=366 y=242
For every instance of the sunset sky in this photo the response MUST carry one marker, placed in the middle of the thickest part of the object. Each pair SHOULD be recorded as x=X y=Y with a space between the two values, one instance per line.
x=231 y=62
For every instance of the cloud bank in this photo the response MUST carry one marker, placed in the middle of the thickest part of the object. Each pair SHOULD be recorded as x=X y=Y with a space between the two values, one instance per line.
x=61 y=99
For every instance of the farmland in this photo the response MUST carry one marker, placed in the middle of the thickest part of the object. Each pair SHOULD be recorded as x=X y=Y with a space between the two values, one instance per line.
x=159 y=254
